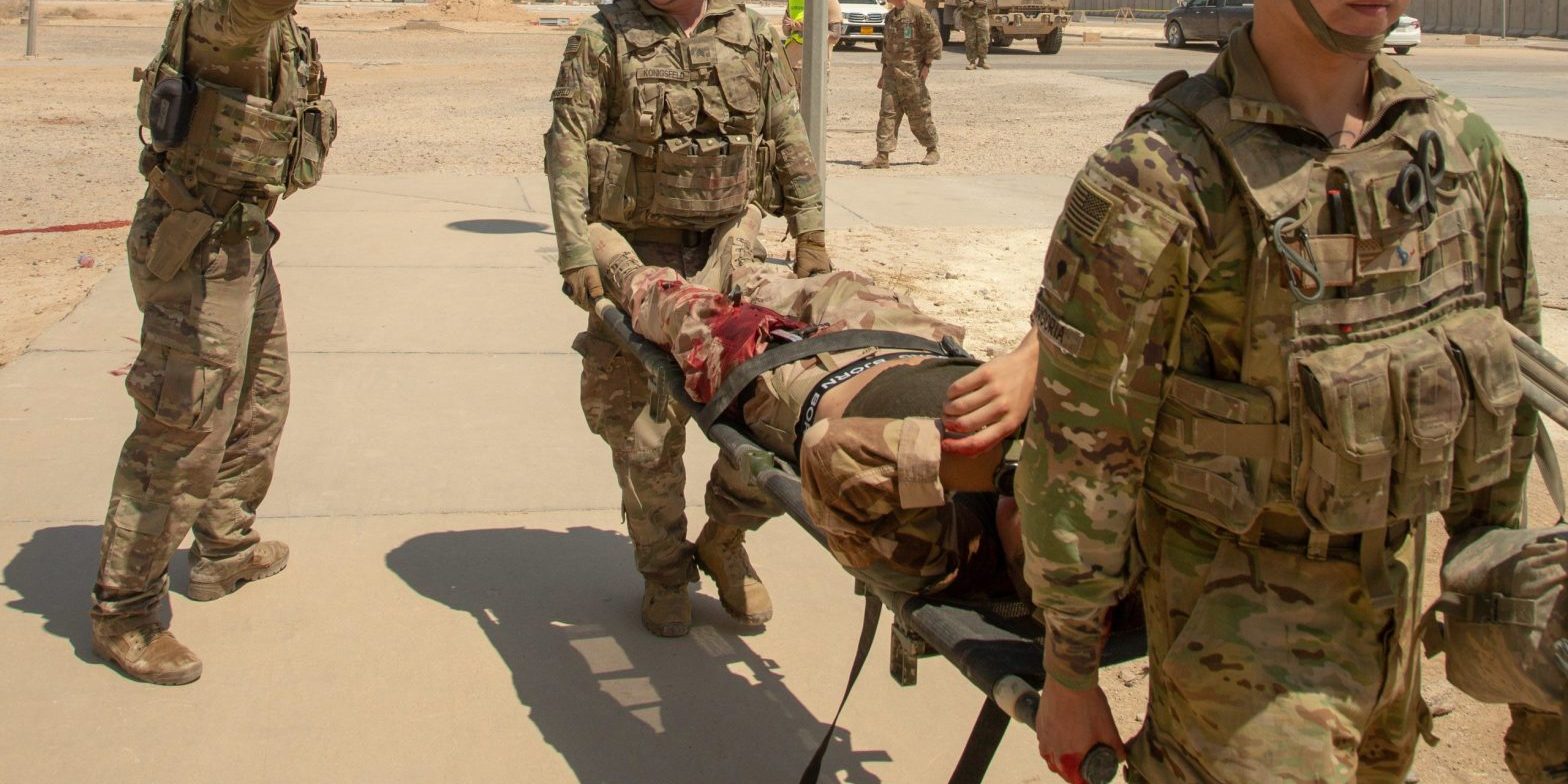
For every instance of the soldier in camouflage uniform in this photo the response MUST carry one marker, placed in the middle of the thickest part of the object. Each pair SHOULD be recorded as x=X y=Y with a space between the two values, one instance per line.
x=1272 y=340
x=861 y=423
x=976 y=18
x=671 y=117
x=211 y=384
x=911 y=42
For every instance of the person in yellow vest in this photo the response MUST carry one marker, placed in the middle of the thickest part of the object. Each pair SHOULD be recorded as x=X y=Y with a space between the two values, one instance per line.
x=794 y=23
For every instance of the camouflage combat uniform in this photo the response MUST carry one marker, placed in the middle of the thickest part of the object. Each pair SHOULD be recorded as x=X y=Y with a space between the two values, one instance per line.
x=976 y=18
x=1262 y=466
x=211 y=383
x=911 y=42
x=665 y=137
x=870 y=477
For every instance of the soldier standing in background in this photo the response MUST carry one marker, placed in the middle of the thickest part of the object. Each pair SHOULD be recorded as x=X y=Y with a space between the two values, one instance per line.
x=911 y=42
x=234 y=109
x=976 y=17
x=794 y=25
x=1261 y=366
x=671 y=117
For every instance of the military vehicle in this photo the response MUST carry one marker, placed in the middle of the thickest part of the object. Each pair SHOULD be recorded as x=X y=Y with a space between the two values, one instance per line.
x=1042 y=20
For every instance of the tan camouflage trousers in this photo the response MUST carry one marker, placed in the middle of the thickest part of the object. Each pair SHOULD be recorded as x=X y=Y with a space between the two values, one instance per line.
x=977 y=36
x=1536 y=742
x=646 y=449
x=211 y=389
x=1269 y=666
x=904 y=96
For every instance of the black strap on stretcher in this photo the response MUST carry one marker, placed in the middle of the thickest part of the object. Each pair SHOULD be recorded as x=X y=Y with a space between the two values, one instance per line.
x=780 y=355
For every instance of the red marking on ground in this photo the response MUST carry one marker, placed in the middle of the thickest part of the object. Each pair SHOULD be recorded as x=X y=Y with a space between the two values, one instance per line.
x=113 y=224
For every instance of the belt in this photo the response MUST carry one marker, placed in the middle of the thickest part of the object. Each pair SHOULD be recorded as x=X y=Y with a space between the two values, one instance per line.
x=808 y=409
x=686 y=238
x=1290 y=534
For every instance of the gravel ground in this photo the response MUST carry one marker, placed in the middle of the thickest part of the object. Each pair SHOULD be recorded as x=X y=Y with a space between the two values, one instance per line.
x=471 y=98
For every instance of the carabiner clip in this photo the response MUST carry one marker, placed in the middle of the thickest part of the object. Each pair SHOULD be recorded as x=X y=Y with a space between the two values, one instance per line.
x=1302 y=264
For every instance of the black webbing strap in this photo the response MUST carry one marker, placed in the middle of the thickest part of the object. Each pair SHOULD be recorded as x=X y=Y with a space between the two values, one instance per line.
x=981 y=747
x=781 y=355
x=868 y=633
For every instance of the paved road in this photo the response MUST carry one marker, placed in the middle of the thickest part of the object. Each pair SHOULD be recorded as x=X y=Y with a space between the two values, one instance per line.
x=1520 y=90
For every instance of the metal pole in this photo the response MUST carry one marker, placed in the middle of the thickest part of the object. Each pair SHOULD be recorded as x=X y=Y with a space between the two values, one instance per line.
x=1505 y=20
x=32 y=28
x=814 y=72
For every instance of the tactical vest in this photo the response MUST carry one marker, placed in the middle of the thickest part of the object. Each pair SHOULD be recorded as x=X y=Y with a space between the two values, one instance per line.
x=684 y=145
x=252 y=147
x=1376 y=379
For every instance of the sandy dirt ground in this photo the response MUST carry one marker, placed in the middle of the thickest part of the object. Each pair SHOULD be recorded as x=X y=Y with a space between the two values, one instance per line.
x=470 y=97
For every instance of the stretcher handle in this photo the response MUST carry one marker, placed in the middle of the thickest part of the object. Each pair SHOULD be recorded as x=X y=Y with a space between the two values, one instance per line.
x=1015 y=696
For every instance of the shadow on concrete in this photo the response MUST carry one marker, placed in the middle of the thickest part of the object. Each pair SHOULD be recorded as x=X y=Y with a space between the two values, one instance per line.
x=498 y=226
x=618 y=703
x=53 y=574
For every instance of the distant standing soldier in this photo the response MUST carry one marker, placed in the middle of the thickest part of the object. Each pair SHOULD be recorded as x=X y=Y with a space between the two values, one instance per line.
x=912 y=42
x=234 y=112
x=794 y=24
x=976 y=16
x=671 y=117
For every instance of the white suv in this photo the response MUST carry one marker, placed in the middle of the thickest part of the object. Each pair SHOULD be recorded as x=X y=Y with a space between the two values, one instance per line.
x=862 y=22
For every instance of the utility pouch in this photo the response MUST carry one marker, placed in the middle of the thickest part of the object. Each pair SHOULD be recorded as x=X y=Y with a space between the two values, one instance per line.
x=1344 y=419
x=611 y=182
x=1481 y=346
x=169 y=108
x=175 y=239
x=1429 y=406
x=1214 y=446
x=318 y=126
x=708 y=188
x=770 y=192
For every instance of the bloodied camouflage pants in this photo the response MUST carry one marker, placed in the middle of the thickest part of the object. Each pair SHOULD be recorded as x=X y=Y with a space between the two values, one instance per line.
x=646 y=448
x=211 y=389
x=1267 y=665
x=904 y=95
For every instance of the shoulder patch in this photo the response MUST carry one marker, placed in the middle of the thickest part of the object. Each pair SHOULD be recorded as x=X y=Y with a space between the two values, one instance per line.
x=573 y=44
x=1088 y=209
x=561 y=93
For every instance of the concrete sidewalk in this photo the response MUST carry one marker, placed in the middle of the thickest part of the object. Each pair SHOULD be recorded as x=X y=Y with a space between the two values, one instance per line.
x=461 y=604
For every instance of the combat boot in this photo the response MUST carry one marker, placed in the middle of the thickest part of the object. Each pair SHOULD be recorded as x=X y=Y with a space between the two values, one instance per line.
x=932 y=158
x=214 y=578
x=722 y=554
x=879 y=162
x=983 y=65
x=147 y=653
x=666 y=609
x=969 y=67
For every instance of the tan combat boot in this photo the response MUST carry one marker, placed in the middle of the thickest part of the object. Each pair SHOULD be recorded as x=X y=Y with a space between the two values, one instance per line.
x=879 y=162
x=932 y=158
x=148 y=653
x=666 y=609
x=969 y=67
x=983 y=65
x=215 y=579
x=721 y=553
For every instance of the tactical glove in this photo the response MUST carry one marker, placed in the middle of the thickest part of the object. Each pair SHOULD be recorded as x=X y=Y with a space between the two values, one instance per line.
x=582 y=285
x=811 y=254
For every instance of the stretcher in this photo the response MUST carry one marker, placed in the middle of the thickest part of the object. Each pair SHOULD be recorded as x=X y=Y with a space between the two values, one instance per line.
x=997 y=646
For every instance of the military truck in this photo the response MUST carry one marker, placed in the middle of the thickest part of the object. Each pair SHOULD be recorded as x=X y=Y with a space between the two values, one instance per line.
x=1042 y=20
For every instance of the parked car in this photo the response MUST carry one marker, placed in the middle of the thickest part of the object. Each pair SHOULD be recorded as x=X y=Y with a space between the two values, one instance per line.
x=1205 y=20
x=1406 y=35
x=862 y=22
